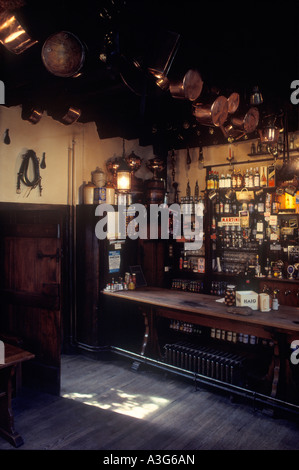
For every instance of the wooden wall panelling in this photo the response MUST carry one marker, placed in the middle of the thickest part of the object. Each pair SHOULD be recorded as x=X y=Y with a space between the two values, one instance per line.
x=34 y=268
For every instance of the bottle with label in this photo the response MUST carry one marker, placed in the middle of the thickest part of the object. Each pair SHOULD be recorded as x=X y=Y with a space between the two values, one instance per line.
x=263 y=179
x=228 y=180
x=227 y=206
x=250 y=179
x=221 y=206
x=256 y=180
x=257 y=267
x=271 y=176
x=222 y=181
x=217 y=205
x=234 y=180
x=239 y=180
x=246 y=179
x=261 y=205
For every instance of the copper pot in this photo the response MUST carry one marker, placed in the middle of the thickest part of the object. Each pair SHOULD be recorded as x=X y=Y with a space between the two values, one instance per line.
x=242 y=124
x=233 y=102
x=63 y=54
x=189 y=87
x=214 y=114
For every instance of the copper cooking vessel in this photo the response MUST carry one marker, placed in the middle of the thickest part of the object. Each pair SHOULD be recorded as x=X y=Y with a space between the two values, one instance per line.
x=233 y=102
x=156 y=165
x=63 y=54
x=241 y=124
x=189 y=87
x=133 y=161
x=214 y=114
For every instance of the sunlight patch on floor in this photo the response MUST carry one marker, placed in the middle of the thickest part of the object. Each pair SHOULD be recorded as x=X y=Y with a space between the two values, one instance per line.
x=137 y=406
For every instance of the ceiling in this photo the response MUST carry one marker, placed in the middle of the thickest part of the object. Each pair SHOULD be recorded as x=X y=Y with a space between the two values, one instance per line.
x=234 y=49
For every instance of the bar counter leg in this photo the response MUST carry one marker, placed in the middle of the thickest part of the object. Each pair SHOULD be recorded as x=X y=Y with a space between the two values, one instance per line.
x=7 y=430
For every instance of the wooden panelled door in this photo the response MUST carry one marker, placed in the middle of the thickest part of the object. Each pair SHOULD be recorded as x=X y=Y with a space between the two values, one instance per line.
x=32 y=296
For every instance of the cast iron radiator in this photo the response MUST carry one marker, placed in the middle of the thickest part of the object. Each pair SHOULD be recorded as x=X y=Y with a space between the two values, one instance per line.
x=208 y=361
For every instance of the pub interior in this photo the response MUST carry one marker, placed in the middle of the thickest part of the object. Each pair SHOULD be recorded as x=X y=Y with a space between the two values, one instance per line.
x=149 y=206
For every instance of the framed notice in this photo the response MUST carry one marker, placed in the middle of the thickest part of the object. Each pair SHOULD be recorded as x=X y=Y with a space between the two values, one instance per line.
x=114 y=261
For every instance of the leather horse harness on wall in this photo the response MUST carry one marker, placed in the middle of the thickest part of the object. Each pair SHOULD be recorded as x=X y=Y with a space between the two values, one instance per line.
x=24 y=170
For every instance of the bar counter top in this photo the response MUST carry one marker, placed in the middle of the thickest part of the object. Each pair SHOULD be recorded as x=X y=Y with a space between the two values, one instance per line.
x=285 y=320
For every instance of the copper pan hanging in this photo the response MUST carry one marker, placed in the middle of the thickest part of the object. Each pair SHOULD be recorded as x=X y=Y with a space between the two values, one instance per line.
x=241 y=124
x=233 y=102
x=63 y=54
x=214 y=114
x=189 y=87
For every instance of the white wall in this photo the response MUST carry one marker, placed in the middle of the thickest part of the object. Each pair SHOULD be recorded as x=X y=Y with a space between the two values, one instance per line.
x=56 y=140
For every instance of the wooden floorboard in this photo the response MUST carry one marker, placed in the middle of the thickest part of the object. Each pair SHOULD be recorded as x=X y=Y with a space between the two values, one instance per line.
x=105 y=405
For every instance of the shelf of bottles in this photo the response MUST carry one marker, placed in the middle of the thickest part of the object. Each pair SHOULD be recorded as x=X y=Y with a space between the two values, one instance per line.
x=254 y=227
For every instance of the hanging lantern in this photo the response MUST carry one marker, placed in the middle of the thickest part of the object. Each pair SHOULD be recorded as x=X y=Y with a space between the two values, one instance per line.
x=123 y=177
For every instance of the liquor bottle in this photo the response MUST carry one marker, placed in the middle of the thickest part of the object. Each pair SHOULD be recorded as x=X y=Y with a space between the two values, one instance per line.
x=271 y=176
x=257 y=266
x=256 y=180
x=234 y=180
x=228 y=181
x=217 y=205
x=261 y=205
x=268 y=202
x=250 y=179
x=221 y=206
x=185 y=261
x=222 y=181
x=227 y=206
x=246 y=179
x=239 y=180
x=234 y=207
x=263 y=179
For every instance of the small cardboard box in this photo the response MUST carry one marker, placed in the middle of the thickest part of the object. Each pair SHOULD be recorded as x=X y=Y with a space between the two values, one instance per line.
x=247 y=298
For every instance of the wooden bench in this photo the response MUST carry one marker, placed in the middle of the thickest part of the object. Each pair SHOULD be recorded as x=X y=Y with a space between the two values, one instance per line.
x=14 y=357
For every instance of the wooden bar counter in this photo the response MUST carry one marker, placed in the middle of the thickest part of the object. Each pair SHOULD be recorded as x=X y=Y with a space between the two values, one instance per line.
x=204 y=310
x=281 y=326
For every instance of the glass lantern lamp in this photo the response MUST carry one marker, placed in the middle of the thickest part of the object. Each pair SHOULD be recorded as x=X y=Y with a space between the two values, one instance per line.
x=123 y=177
